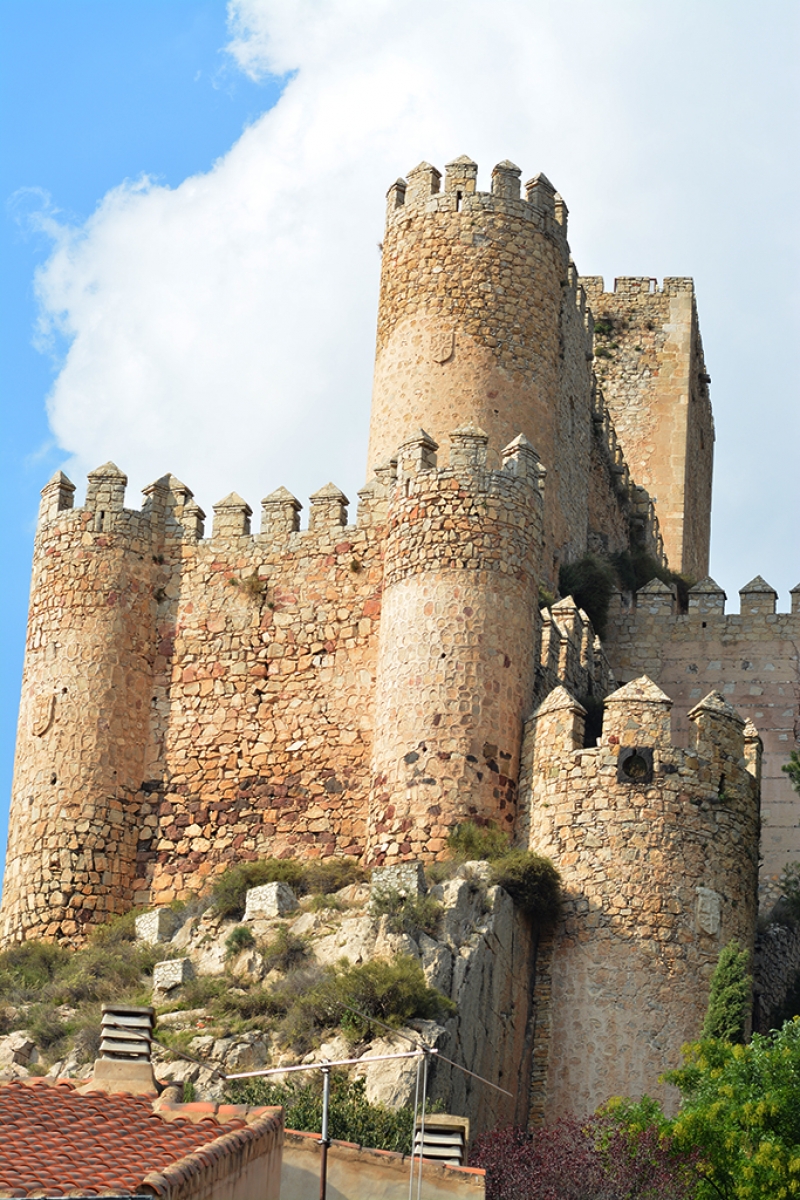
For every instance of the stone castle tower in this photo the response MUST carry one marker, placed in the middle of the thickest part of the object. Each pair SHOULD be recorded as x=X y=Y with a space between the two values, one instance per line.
x=359 y=689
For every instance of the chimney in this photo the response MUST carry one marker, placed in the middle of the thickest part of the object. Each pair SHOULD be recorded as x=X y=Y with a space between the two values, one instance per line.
x=124 y=1064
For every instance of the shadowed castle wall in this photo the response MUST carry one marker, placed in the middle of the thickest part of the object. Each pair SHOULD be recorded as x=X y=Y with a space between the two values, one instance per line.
x=752 y=658
x=649 y=363
x=658 y=853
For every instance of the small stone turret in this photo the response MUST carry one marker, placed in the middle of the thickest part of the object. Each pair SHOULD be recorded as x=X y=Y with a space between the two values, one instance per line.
x=658 y=852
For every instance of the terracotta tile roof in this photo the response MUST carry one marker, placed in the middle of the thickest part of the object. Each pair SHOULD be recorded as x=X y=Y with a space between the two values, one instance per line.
x=56 y=1141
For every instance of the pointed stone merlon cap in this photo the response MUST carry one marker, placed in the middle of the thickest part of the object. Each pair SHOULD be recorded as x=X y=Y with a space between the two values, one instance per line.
x=461 y=175
x=505 y=180
x=328 y=508
x=106 y=489
x=657 y=598
x=396 y=195
x=232 y=517
x=718 y=729
x=58 y=495
x=417 y=454
x=468 y=448
x=707 y=598
x=637 y=714
x=541 y=194
x=423 y=182
x=795 y=594
x=520 y=458
x=557 y=726
x=753 y=749
x=184 y=508
x=561 y=213
x=568 y=617
x=280 y=513
x=757 y=596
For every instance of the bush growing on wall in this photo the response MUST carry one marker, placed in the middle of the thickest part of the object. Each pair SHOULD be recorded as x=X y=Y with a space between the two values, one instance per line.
x=532 y=882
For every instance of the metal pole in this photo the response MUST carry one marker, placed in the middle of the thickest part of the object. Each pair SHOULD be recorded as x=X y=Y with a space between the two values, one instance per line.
x=325 y=1140
x=426 y=1055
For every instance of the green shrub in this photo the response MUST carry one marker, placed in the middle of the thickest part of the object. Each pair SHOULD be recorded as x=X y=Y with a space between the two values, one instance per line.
x=230 y=890
x=285 y=952
x=792 y=769
x=394 y=992
x=729 y=999
x=322 y=876
x=532 y=882
x=411 y=915
x=470 y=842
x=319 y=877
x=239 y=939
x=29 y=967
x=351 y=1118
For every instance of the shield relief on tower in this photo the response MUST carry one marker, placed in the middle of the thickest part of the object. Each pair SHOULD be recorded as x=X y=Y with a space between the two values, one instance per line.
x=42 y=713
x=442 y=344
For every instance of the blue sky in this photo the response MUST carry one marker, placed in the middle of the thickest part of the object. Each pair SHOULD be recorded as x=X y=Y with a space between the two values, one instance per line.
x=91 y=92
x=201 y=190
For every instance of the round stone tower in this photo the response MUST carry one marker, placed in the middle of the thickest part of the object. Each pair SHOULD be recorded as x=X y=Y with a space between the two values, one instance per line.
x=84 y=713
x=456 y=662
x=470 y=321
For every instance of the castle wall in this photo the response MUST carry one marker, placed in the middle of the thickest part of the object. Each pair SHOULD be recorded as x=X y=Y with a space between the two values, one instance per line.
x=456 y=663
x=267 y=696
x=658 y=853
x=649 y=364
x=752 y=658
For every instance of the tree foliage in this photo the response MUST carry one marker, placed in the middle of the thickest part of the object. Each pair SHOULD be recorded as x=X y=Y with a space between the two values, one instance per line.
x=599 y=1158
x=351 y=1118
x=729 y=1000
x=741 y=1110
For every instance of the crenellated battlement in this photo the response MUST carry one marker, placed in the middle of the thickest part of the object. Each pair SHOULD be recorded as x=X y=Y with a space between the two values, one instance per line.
x=422 y=191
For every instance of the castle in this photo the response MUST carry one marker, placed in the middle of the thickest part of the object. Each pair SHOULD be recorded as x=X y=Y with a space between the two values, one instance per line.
x=360 y=688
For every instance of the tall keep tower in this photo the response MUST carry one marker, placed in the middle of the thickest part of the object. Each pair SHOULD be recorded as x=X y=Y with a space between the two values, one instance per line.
x=481 y=320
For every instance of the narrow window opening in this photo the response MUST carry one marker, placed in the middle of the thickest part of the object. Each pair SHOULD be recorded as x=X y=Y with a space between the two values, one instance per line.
x=458 y=201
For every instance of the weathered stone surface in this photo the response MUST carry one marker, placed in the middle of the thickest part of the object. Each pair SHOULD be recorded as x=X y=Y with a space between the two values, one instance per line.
x=157 y=926
x=269 y=900
x=172 y=973
x=19 y=1049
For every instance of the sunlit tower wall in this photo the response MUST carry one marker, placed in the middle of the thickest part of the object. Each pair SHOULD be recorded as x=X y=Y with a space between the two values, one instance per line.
x=482 y=320
x=85 y=711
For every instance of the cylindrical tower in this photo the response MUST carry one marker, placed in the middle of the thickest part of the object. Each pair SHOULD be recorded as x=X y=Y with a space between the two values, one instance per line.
x=658 y=853
x=456 y=656
x=84 y=713
x=470 y=315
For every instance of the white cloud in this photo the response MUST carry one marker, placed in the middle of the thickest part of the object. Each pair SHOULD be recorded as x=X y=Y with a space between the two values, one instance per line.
x=224 y=329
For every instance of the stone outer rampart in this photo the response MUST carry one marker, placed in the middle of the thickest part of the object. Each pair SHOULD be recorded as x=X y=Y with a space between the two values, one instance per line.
x=751 y=657
x=458 y=631
x=649 y=363
x=659 y=869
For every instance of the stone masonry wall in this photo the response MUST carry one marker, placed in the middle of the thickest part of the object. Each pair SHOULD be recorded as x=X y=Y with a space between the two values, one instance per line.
x=84 y=712
x=658 y=852
x=649 y=364
x=456 y=663
x=482 y=319
x=752 y=658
